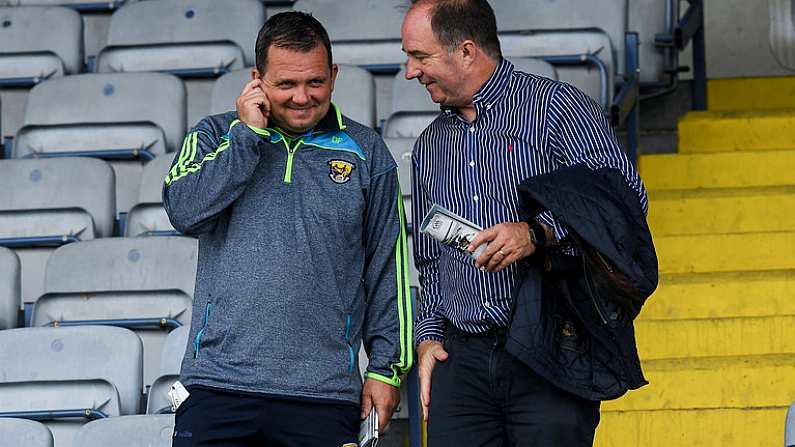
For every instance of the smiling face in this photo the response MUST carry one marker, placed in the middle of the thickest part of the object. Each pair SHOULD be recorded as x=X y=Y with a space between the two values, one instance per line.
x=431 y=63
x=298 y=85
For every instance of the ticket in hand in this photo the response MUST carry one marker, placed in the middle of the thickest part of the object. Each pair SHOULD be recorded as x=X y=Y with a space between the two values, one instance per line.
x=452 y=230
x=368 y=431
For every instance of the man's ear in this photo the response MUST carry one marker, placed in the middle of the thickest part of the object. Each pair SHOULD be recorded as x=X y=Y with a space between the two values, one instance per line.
x=468 y=52
x=255 y=74
x=334 y=70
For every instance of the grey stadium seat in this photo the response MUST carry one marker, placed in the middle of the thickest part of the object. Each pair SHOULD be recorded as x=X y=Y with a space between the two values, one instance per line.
x=127 y=431
x=647 y=18
x=782 y=32
x=90 y=5
x=35 y=44
x=126 y=118
x=10 y=288
x=23 y=432
x=51 y=202
x=183 y=36
x=148 y=217
x=39 y=43
x=412 y=107
x=170 y=366
x=354 y=93
x=401 y=151
x=93 y=367
x=149 y=279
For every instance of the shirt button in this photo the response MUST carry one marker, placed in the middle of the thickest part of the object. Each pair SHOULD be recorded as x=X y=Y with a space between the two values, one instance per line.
x=472 y=163
x=475 y=198
x=472 y=129
x=488 y=106
x=486 y=305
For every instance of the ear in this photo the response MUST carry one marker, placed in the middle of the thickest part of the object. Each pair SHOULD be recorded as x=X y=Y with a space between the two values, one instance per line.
x=468 y=52
x=334 y=70
x=255 y=74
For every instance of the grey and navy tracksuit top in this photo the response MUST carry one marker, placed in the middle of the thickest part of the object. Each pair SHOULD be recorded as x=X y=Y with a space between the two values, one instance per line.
x=302 y=256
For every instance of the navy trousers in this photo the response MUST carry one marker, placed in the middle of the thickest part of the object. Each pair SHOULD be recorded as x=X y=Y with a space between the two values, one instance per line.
x=483 y=396
x=218 y=418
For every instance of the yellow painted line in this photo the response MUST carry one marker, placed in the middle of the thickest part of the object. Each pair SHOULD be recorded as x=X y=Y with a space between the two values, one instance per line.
x=708 y=132
x=720 y=337
x=692 y=428
x=747 y=382
x=751 y=93
x=726 y=252
x=744 y=211
x=724 y=170
x=722 y=295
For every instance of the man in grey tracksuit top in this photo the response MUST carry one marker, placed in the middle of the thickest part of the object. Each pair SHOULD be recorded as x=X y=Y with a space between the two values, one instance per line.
x=302 y=255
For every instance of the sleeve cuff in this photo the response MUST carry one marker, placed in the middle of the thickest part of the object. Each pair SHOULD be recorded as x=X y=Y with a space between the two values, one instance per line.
x=258 y=131
x=430 y=329
x=559 y=230
x=394 y=380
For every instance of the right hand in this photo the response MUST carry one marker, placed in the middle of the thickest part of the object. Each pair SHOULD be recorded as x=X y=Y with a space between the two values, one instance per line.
x=428 y=353
x=253 y=106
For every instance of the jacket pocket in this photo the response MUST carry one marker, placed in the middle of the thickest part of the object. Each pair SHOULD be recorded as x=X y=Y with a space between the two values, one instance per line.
x=351 y=351
x=198 y=339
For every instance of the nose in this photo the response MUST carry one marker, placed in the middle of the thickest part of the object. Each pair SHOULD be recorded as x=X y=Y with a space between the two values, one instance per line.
x=412 y=70
x=300 y=96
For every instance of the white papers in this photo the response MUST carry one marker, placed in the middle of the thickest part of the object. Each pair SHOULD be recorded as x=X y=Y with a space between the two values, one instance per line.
x=368 y=431
x=451 y=230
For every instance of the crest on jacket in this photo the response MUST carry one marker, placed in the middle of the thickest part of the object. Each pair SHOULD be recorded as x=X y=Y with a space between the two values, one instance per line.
x=340 y=171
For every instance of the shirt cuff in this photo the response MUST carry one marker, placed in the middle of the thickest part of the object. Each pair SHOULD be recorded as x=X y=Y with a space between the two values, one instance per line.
x=429 y=329
x=394 y=380
x=559 y=230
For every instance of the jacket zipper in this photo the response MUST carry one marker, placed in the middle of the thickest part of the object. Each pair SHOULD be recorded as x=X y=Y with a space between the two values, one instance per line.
x=348 y=343
x=288 y=172
x=197 y=341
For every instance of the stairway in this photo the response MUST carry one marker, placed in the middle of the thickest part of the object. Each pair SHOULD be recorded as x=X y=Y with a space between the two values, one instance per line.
x=717 y=339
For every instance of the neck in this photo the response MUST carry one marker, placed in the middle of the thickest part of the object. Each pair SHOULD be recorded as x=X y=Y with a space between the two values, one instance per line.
x=482 y=73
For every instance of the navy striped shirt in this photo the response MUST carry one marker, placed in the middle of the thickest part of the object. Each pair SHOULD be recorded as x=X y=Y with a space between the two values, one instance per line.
x=525 y=126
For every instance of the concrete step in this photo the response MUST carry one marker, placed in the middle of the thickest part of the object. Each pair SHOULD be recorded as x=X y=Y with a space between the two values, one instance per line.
x=713 y=383
x=710 y=132
x=714 y=171
x=726 y=253
x=716 y=337
x=751 y=93
x=692 y=428
x=722 y=295
x=723 y=211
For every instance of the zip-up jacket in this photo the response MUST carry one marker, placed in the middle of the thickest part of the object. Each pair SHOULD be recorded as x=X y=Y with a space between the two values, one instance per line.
x=302 y=257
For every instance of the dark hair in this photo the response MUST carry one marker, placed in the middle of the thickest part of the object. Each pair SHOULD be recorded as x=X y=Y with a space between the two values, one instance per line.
x=292 y=30
x=454 y=21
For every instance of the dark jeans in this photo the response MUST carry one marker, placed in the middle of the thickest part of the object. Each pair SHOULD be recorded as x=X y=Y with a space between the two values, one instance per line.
x=221 y=419
x=483 y=396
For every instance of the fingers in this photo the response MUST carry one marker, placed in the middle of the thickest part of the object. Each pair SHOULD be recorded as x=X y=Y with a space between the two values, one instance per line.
x=424 y=374
x=384 y=415
x=484 y=236
x=367 y=405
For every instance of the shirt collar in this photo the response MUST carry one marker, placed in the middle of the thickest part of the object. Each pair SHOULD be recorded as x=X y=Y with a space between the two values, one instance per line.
x=491 y=91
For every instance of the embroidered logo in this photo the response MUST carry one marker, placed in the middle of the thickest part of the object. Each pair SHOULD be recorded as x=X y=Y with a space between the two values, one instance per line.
x=340 y=171
x=336 y=140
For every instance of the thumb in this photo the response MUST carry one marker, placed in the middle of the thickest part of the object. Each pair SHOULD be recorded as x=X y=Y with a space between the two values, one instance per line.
x=440 y=355
x=367 y=405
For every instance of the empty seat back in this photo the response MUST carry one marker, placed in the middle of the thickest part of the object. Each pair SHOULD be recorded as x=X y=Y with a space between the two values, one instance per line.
x=185 y=37
x=39 y=43
x=127 y=118
x=51 y=202
x=23 y=432
x=128 y=431
x=354 y=93
x=170 y=365
x=10 y=288
x=148 y=217
x=75 y=354
x=147 y=282
x=648 y=18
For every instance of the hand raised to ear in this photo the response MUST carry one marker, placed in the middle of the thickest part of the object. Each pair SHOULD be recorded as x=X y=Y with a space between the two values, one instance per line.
x=253 y=106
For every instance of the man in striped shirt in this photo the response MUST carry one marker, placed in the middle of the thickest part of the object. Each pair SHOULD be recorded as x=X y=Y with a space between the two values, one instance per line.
x=497 y=128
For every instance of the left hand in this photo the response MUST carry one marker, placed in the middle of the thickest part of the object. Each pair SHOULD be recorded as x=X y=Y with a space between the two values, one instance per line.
x=508 y=242
x=384 y=397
